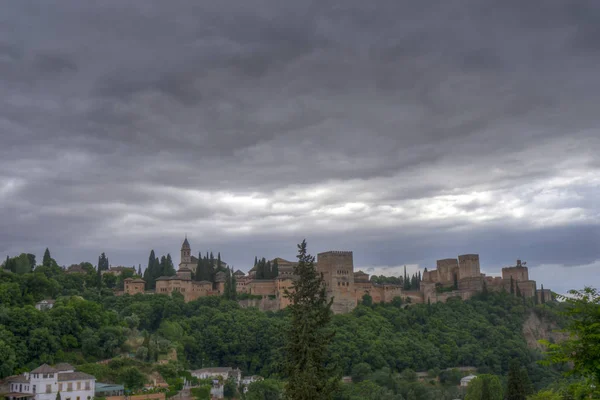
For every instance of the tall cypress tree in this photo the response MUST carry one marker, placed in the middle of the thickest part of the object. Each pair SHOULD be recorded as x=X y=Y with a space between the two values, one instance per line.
x=275 y=269
x=515 y=387
x=47 y=260
x=227 y=289
x=169 y=267
x=218 y=260
x=149 y=272
x=233 y=285
x=543 y=295
x=308 y=336
x=269 y=271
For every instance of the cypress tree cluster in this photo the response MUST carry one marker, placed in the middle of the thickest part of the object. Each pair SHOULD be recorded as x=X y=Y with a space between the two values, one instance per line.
x=158 y=267
x=518 y=386
x=208 y=266
x=265 y=269
x=230 y=291
x=412 y=282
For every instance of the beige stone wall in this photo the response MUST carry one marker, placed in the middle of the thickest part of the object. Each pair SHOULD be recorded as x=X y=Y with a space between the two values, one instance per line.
x=134 y=288
x=283 y=284
x=474 y=284
x=527 y=288
x=431 y=276
x=520 y=274
x=263 y=287
x=446 y=270
x=414 y=296
x=547 y=295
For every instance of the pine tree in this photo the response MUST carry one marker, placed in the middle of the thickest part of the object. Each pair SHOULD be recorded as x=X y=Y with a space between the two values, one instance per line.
x=515 y=388
x=308 y=336
x=57 y=395
x=47 y=260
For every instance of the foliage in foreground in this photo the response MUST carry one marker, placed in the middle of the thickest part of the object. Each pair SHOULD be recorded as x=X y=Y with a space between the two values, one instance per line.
x=308 y=336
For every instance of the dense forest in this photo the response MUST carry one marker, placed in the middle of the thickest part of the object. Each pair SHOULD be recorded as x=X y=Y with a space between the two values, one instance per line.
x=379 y=345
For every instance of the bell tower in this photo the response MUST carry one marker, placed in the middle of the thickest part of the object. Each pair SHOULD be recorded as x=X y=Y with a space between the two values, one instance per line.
x=186 y=252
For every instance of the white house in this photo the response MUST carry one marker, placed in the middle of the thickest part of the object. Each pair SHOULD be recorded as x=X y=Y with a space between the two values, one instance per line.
x=44 y=305
x=44 y=382
x=216 y=372
x=464 y=382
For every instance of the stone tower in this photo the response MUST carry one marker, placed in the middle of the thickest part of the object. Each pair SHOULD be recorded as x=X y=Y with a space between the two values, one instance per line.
x=337 y=268
x=186 y=252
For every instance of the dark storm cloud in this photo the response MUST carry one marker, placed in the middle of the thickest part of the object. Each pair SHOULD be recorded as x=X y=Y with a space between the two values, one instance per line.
x=397 y=129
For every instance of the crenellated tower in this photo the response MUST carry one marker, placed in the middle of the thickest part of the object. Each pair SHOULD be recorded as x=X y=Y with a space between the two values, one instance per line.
x=337 y=268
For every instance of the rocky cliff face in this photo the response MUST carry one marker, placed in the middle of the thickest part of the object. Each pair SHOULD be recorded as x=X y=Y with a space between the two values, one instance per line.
x=536 y=328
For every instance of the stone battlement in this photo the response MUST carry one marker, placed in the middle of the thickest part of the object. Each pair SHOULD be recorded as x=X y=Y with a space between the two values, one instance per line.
x=335 y=253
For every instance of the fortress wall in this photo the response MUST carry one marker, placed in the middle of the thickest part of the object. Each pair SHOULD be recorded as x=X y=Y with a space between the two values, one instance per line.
x=431 y=276
x=390 y=292
x=428 y=291
x=263 y=287
x=469 y=266
x=414 y=296
x=265 y=304
x=527 y=288
x=471 y=284
x=446 y=269
x=520 y=274
x=547 y=295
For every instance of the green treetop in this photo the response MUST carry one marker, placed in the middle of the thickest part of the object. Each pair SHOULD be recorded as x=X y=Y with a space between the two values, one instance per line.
x=308 y=336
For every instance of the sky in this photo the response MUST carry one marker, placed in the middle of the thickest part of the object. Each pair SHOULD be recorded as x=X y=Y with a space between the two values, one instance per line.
x=403 y=131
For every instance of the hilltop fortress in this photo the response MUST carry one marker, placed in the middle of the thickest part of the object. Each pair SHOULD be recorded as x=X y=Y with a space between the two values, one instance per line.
x=454 y=277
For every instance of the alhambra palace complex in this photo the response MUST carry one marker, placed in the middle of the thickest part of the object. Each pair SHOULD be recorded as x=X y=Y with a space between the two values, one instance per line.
x=453 y=278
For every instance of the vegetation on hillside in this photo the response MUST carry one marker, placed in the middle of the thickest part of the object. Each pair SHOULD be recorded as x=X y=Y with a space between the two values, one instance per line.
x=377 y=344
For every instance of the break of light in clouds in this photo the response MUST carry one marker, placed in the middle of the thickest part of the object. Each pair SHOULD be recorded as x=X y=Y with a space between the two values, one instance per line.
x=405 y=132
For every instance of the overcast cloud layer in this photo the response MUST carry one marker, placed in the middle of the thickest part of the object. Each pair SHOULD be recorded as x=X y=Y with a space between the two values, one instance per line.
x=405 y=131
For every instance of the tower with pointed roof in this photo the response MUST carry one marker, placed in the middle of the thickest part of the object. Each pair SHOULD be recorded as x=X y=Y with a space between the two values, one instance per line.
x=186 y=252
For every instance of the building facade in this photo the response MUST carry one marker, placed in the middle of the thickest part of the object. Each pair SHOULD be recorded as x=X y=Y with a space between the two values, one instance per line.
x=453 y=277
x=44 y=382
